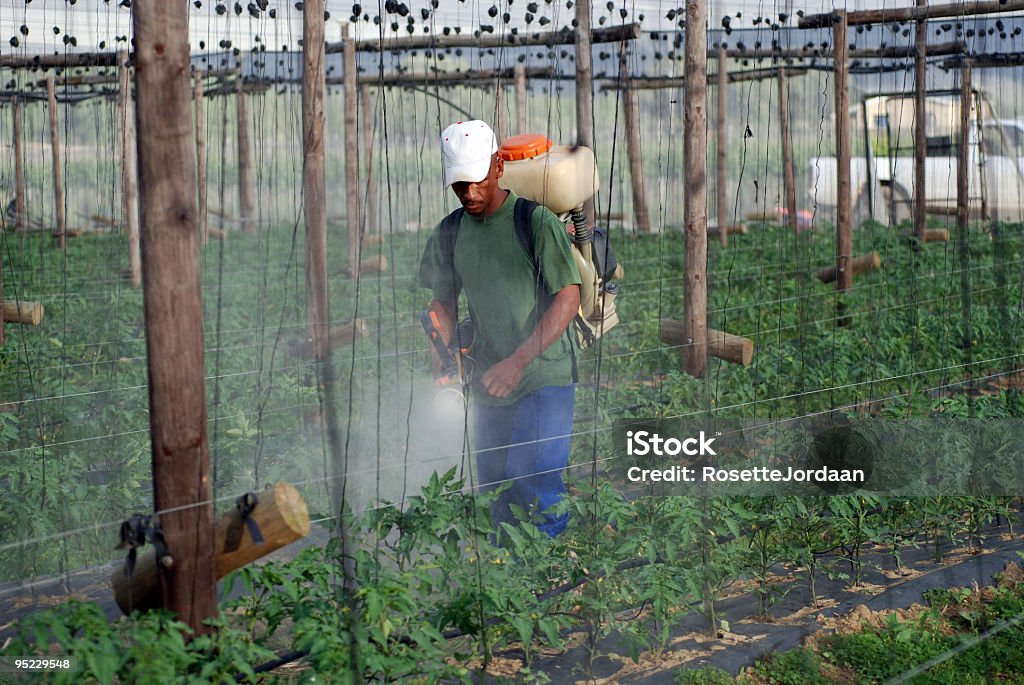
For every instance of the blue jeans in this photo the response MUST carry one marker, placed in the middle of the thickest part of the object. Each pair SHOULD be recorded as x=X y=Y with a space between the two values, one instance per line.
x=526 y=443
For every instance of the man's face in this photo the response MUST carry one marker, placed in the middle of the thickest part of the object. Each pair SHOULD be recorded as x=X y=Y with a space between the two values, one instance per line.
x=484 y=197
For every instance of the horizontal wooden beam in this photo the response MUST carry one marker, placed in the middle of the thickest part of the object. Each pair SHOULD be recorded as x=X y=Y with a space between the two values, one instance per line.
x=987 y=61
x=613 y=34
x=887 y=52
x=959 y=10
x=680 y=82
x=456 y=77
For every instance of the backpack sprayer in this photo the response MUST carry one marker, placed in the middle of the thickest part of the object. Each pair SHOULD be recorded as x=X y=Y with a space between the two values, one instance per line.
x=561 y=178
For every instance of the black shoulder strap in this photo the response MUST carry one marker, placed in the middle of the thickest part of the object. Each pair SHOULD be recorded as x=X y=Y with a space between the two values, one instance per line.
x=449 y=233
x=522 y=218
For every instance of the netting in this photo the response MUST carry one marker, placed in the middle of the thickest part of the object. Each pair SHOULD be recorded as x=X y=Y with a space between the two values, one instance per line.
x=932 y=334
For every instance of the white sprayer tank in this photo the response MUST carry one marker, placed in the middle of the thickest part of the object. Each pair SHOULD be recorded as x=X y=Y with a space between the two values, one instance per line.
x=560 y=177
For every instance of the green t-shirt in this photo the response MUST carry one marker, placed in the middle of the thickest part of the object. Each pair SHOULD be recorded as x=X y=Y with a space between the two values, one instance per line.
x=499 y=281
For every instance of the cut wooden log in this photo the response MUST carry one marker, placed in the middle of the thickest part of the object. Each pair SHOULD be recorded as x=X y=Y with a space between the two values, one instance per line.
x=338 y=336
x=373 y=265
x=722 y=345
x=373 y=240
x=773 y=215
x=737 y=228
x=867 y=262
x=30 y=313
x=931 y=235
x=281 y=517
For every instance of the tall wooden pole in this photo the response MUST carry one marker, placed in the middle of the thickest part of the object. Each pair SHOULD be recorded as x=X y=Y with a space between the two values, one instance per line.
x=920 y=123
x=129 y=168
x=844 y=232
x=352 y=210
x=500 y=115
x=60 y=229
x=788 y=172
x=371 y=180
x=520 y=73
x=19 y=167
x=246 y=189
x=695 y=122
x=634 y=148
x=197 y=101
x=722 y=148
x=174 y=310
x=963 y=198
x=585 y=89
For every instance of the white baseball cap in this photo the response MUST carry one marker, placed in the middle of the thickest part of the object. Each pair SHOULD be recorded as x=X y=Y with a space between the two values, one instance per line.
x=467 y=147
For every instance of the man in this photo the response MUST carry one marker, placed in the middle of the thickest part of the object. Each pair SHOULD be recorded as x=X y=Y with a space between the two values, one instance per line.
x=523 y=378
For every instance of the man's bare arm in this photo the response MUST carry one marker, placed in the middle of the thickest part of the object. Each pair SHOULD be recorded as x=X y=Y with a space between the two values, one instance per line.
x=503 y=378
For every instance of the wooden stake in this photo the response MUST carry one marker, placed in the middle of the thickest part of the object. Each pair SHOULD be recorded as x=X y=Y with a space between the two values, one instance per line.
x=351 y=152
x=963 y=198
x=19 y=311
x=197 y=99
x=129 y=168
x=585 y=89
x=280 y=516
x=695 y=219
x=373 y=265
x=788 y=168
x=721 y=146
x=174 y=310
x=20 y=206
x=520 y=72
x=58 y=168
x=920 y=123
x=844 y=212
x=246 y=189
x=721 y=345
x=500 y=115
x=634 y=149
x=858 y=265
x=372 y=226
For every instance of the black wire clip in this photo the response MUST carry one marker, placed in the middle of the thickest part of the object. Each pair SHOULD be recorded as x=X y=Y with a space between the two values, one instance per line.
x=245 y=505
x=135 y=532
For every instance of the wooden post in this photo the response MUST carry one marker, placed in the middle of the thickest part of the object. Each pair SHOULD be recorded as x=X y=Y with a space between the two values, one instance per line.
x=174 y=310
x=353 y=206
x=60 y=229
x=129 y=168
x=197 y=98
x=844 y=232
x=585 y=89
x=788 y=172
x=920 y=123
x=695 y=219
x=963 y=197
x=371 y=177
x=280 y=515
x=634 y=148
x=500 y=116
x=20 y=206
x=520 y=72
x=246 y=189
x=722 y=143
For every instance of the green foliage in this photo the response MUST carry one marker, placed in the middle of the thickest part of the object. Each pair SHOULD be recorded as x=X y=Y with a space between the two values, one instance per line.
x=705 y=675
x=796 y=667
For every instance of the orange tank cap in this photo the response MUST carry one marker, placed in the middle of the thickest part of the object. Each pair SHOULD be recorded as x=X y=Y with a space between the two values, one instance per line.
x=524 y=146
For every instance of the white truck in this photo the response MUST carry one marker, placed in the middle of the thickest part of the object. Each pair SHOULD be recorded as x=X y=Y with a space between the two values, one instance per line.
x=882 y=182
